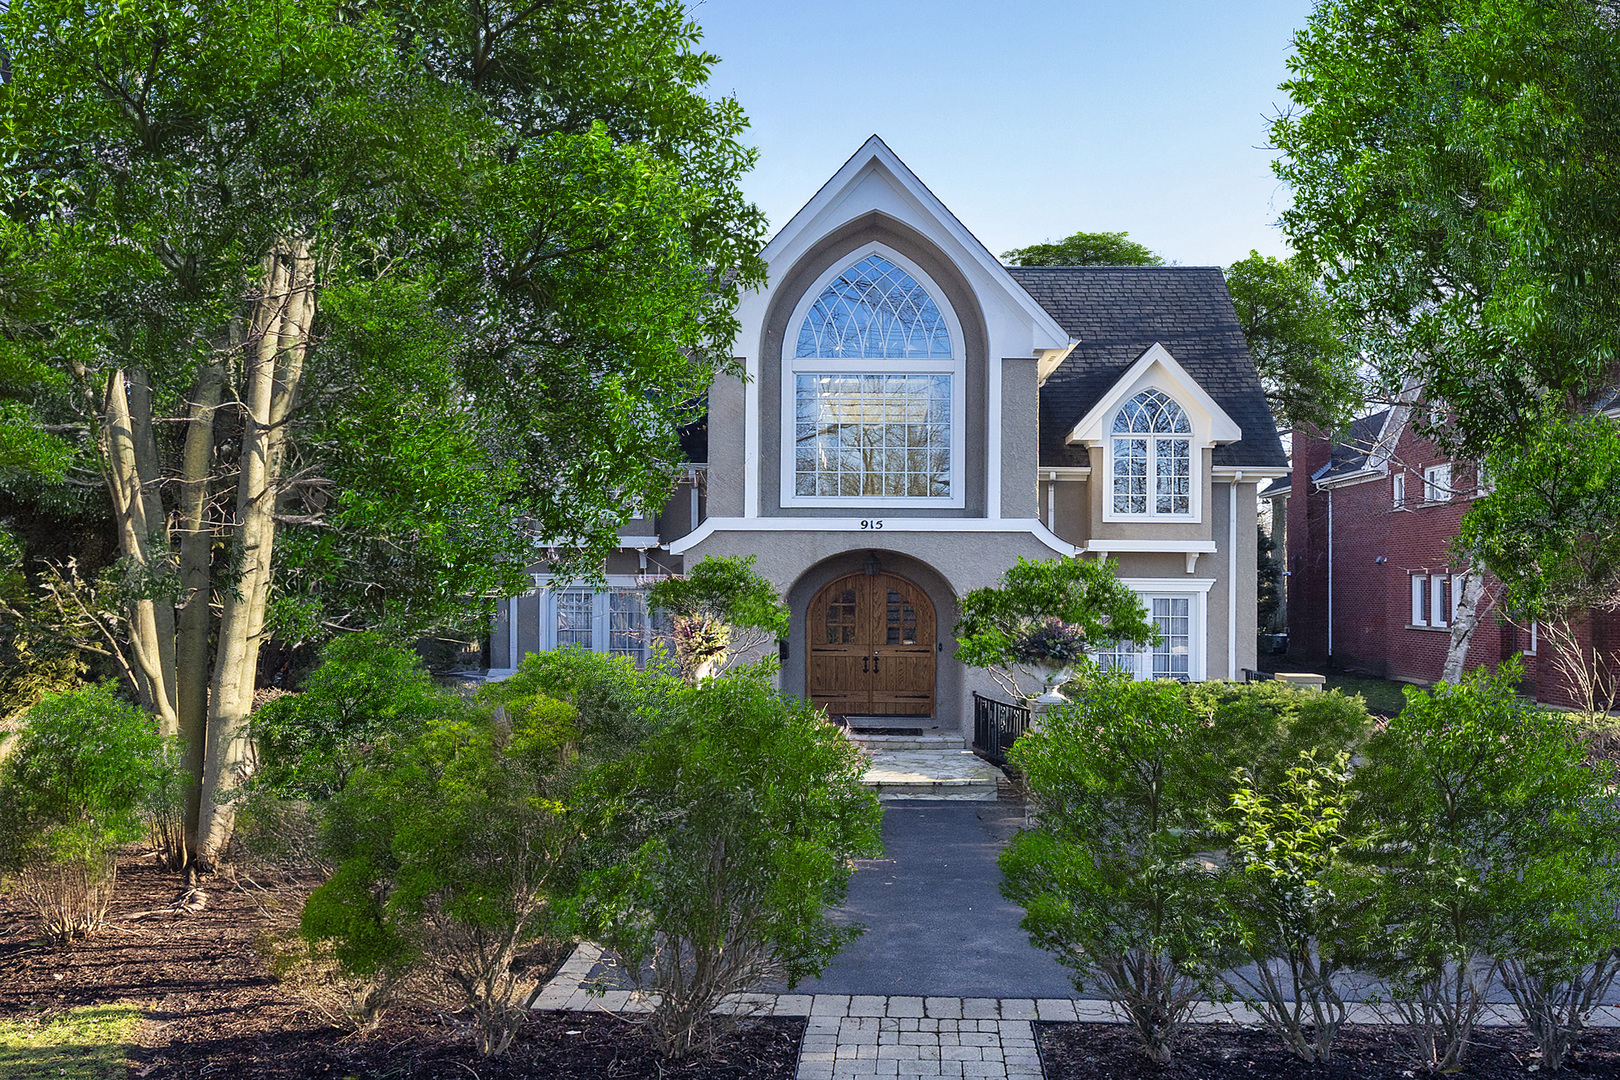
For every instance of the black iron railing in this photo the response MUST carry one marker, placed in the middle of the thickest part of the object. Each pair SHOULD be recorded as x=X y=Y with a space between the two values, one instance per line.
x=996 y=726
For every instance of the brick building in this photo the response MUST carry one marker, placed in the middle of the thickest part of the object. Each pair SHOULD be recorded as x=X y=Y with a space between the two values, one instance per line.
x=1372 y=580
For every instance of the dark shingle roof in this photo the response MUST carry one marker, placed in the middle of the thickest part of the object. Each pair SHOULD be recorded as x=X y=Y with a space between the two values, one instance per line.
x=1351 y=450
x=1118 y=312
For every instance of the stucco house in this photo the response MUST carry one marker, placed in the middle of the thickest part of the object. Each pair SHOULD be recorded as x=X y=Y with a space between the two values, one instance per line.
x=915 y=417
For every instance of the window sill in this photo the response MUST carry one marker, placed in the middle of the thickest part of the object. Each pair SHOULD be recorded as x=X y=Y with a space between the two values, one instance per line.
x=1435 y=629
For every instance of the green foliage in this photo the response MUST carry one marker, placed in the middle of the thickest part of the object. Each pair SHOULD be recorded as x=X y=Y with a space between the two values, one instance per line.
x=723 y=843
x=1111 y=879
x=1453 y=169
x=1488 y=840
x=1131 y=785
x=723 y=605
x=1082 y=595
x=1085 y=249
x=449 y=853
x=1283 y=896
x=1550 y=528
x=1270 y=590
x=366 y=694
x=618 y=704
x=1296 y=341
x=78 y=784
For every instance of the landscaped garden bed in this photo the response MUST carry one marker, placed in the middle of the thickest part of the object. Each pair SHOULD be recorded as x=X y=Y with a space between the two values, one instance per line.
x=211 y=1007
x=1361 y=1052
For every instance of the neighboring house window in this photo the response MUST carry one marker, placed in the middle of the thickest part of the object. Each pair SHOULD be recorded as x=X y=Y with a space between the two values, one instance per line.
x=1437 y=600
x=872 y=392
x=1400 y=490
x=575 y=618
x=1152 y=458
x=1535 y=630
x=628 y=629
x=1420 y=593
x=1437 y=483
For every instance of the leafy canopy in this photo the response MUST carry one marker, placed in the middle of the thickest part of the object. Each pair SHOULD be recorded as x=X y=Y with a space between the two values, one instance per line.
x=1295 y=340
x=1085 y=249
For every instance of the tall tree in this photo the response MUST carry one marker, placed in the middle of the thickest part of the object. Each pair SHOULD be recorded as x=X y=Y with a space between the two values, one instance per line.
x=1455 y=167
x=1085 y=249
x=359 y=302
x=1295 y=340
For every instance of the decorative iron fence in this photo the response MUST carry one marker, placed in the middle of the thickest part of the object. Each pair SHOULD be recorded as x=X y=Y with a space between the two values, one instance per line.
x=996 y=726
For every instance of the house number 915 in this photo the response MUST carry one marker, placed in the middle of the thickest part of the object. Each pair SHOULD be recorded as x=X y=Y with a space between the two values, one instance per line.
x=871 y=523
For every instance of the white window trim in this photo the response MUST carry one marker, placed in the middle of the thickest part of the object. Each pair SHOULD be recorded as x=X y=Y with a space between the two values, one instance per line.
x=1437 y=605
x=1434 y=492
x=1197 y=443
x=792 y=366
x=1398 y=491
x=1535 y=633
x=1420 y=591
x=1198 y=626
x=601 y=610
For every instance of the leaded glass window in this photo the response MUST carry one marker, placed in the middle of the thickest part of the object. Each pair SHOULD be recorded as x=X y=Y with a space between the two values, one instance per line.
x=1152 y=450
x=872 y=435
x=875 y=310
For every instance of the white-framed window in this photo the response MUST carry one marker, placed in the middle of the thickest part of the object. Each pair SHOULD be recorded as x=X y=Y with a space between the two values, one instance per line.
x=1150 y=459
x=1420 y=600
x=629 y=628
x=575 y=619
x=873 y=380
x=1181 y=617
x=1535 y=635
x=1437 y=484
x=612 y=619
x=1399 y=490
x=1439 y=610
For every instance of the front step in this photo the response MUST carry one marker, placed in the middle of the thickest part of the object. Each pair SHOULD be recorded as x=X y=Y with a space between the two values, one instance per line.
x=938 y=774
x=922 y=740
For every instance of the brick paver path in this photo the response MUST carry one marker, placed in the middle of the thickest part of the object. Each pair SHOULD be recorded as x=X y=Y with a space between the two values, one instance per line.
x=860 y=1036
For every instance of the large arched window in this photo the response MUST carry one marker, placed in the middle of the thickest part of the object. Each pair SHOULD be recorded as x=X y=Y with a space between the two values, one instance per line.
x=1152 y=457
x=872 y=384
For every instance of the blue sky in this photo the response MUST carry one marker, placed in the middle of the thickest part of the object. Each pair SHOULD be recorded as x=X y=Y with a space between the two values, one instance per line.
x=1031 y=119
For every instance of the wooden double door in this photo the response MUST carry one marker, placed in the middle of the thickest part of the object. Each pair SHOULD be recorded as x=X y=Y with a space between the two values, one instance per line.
x=871 y=647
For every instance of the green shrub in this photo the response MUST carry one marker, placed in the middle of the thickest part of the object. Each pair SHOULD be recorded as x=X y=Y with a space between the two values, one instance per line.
x=1491 y=845
x=75 y=788
x=619 y=705
x=365 y=694
x=449 y=852
x=720 y=847
x=1115 y=879
x=720 y=611
x=1132 y=785
x=1285 y=900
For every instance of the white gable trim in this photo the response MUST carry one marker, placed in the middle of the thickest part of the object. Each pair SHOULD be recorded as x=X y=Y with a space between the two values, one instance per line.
x=791 y=241
x=1171 y=377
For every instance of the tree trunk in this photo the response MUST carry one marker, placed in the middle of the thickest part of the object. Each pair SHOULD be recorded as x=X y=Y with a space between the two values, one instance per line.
x=196 y=596
x=130 y=456
x=1463 y=622
x=281 y=323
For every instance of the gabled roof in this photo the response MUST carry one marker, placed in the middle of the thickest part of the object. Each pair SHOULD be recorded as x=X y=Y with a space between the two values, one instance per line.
x=844 y=196
x=1118 y=313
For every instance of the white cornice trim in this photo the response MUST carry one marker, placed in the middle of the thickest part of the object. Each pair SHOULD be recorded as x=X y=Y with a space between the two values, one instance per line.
x=1246 y=472
x=1049 y=360
x=1090 y=428
x=1066 y=472
x=1351 y=479
x=1172 y=585
x=1172 y=547
x=1030 y=526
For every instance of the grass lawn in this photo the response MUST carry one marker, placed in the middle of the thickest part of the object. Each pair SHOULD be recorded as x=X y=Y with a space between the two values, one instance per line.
x=87 y=1043
x=1383 y=695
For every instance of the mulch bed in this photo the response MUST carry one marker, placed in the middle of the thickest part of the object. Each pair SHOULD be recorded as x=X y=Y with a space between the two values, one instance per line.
x=1360 y=1052
x=213 y=1010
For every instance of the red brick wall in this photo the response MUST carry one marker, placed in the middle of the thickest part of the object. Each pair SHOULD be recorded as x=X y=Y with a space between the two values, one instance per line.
x=1377 y=549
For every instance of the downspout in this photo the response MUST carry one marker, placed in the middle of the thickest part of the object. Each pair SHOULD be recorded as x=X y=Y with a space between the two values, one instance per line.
x=1330 y=576
x=1231 y=584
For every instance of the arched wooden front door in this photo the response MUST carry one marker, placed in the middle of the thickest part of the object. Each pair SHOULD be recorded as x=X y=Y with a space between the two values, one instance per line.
x=871 y=647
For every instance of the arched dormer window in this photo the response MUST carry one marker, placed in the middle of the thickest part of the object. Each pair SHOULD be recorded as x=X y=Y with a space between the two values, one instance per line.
x=872 y=385
x=1152 y=457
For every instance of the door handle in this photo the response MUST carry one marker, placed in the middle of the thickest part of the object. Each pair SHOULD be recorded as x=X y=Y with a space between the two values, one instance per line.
x=863 y=665
x=875 y=659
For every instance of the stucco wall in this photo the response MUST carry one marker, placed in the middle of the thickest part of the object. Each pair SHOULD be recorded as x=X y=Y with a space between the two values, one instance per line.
x=1020 y=442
